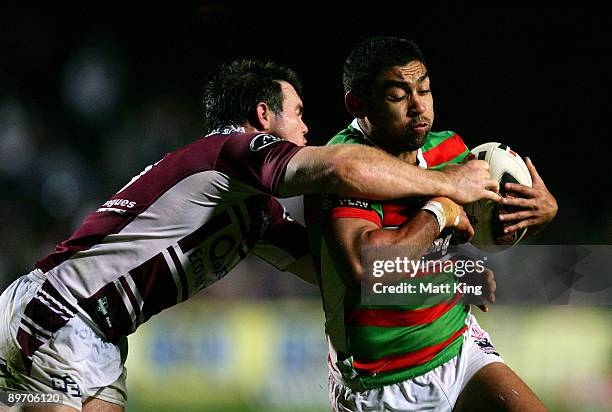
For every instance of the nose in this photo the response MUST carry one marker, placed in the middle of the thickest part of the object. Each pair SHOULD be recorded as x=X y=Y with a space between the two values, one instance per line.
x=304 y=127
x=417 y=105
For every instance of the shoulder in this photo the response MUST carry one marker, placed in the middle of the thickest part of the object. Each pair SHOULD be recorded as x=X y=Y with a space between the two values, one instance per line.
x=350 y=135
x=442 y=148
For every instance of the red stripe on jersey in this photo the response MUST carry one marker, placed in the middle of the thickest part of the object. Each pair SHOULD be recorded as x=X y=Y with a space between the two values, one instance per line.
x=445 y=151
x=355 y=213
x=406 y=360
x=399 y=318
x=155 y=284
x=395 y=215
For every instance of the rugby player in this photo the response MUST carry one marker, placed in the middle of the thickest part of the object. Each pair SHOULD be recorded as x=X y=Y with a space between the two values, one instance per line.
x=426 y=355
x=184 y=223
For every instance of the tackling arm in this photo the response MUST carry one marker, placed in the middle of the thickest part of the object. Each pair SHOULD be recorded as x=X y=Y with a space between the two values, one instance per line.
x=360 y=171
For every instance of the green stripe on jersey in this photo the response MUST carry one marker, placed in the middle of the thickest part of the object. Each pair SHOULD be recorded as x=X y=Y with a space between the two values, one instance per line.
x=435 y=138
x=375 y=342
x=388 y=378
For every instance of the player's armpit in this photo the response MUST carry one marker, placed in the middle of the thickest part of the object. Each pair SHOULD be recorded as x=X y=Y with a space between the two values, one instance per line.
x=304 y=268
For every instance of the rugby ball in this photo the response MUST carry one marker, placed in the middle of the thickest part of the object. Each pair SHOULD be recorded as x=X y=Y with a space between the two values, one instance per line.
x=505 y=166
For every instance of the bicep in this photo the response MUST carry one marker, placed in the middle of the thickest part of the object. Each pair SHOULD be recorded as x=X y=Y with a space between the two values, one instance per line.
x=306 y=171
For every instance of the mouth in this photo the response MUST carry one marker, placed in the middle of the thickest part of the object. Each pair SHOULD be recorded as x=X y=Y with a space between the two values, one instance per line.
x=420 y=127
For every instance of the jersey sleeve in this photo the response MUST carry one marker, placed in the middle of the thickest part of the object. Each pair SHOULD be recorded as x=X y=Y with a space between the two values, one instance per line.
x=284 y=240
x=335 y=207
x=257 y=159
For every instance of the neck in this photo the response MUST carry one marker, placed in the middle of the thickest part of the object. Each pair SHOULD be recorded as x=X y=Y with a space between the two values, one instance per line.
x=409 y=157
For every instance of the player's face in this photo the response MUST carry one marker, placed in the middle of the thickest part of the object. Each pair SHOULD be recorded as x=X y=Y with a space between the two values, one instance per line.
x=288 y=124
x=399 y=109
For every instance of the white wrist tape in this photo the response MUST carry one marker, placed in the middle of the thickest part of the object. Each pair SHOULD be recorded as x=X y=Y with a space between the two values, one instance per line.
x=438 y=211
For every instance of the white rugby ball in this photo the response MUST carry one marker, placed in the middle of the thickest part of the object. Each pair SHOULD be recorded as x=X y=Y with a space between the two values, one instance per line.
x=505 y=166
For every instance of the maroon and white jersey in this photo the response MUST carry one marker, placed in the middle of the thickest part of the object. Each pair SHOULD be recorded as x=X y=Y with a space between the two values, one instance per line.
x=176 y=228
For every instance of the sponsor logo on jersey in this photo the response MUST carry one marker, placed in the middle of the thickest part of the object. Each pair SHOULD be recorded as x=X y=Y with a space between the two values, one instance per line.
x=120 y=202
x=263 y=140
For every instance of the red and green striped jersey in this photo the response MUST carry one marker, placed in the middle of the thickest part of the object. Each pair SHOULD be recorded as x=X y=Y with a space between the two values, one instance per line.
x=373 y=346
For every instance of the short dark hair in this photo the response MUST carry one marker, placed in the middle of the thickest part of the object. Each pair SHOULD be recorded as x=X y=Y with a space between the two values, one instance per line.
x=368 y=58
x=231 y=97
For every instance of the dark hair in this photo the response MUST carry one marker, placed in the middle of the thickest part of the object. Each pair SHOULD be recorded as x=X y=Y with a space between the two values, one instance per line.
x=368 y=58
x=231 y=97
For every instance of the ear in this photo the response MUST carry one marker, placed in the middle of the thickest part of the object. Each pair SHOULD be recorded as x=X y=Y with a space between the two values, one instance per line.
x=355 y=105
x=263 y=116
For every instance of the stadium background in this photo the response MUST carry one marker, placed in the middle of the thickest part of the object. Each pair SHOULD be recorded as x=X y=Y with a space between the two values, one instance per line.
x=92 y=93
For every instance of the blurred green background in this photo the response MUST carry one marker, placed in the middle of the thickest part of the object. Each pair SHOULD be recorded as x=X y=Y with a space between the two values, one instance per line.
x=269 y=355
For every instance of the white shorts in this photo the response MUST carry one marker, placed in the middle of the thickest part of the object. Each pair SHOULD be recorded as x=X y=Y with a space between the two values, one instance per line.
x=74 y=362
x=437 y=390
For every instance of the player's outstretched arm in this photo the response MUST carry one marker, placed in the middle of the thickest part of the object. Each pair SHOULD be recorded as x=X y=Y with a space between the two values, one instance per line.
x=360 y=171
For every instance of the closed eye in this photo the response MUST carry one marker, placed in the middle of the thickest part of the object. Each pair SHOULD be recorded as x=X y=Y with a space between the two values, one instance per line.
x=396 y=98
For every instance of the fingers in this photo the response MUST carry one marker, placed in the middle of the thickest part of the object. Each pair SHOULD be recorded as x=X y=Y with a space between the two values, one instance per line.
x=523 y=214
x=519 y=202
x=520 y=225
x=490 y=195
x=481 y=164
x=521 y=189
x=535 y=176
x=492 y=185
x=464 y=229
x=483 y=307
x=491 y=286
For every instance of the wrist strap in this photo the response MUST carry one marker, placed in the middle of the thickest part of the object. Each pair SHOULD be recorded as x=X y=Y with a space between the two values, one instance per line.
x=437 y=210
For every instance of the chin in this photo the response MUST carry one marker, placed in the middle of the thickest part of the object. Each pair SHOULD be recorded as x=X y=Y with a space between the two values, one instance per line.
x=415 y=142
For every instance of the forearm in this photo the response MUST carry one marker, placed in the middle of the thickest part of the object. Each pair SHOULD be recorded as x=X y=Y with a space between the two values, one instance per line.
x=359 y=171
x=411 y=240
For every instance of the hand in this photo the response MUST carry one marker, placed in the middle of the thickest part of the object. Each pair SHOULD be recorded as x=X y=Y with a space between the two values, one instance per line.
x=470 y=181
x=538 y=205
x=486 y=279
x=464 y=229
